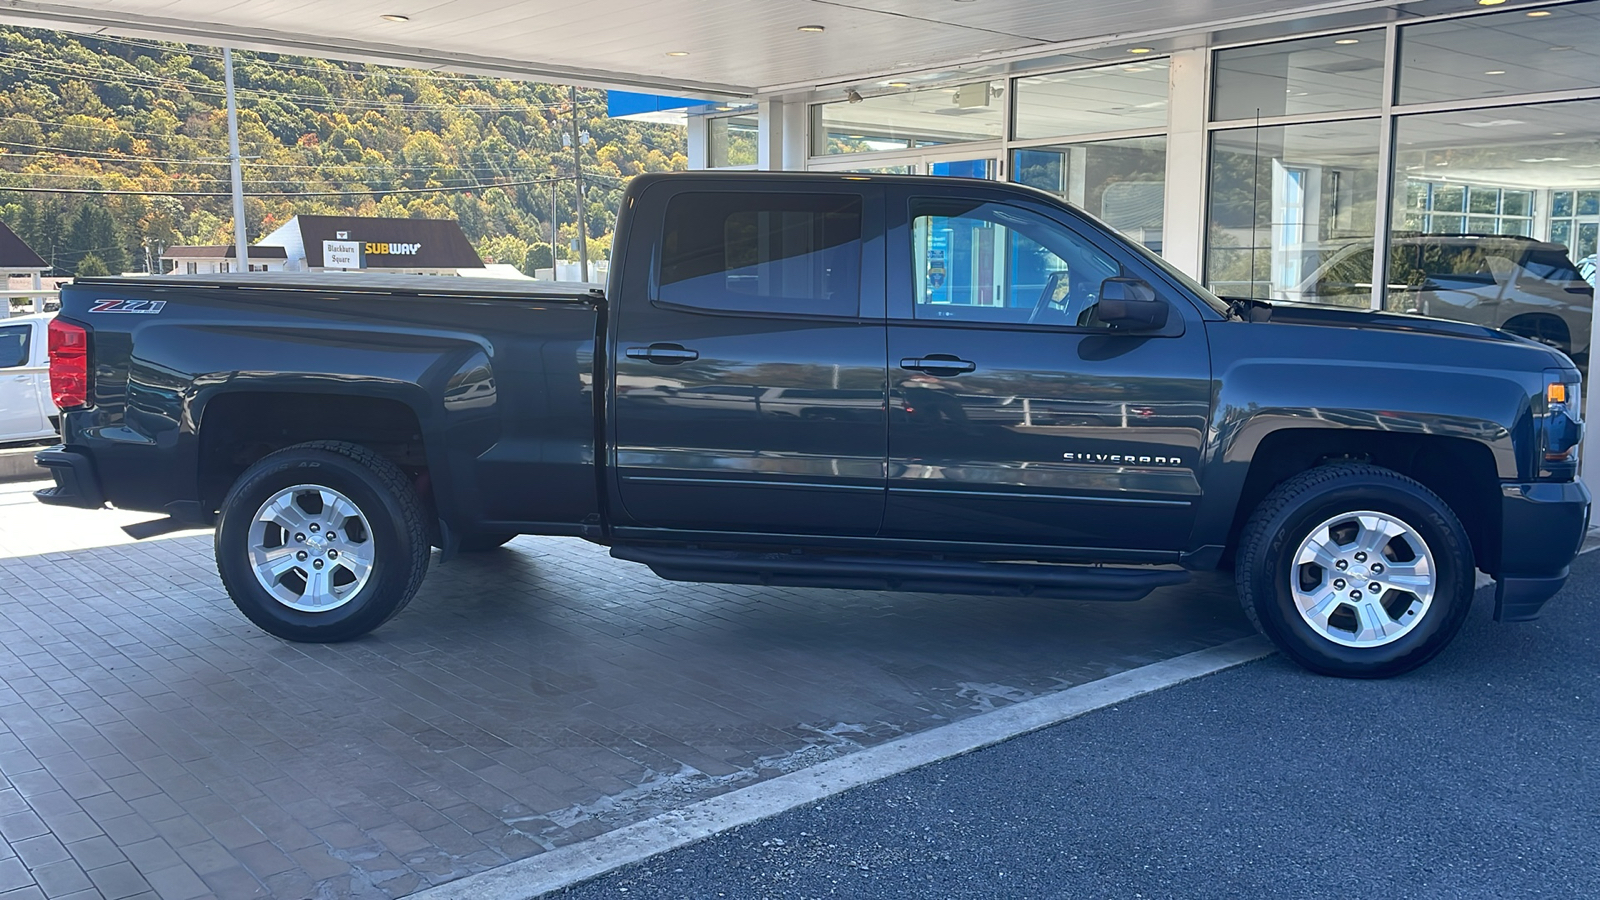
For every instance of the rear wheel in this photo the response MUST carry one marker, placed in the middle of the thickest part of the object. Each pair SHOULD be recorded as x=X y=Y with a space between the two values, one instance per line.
x=1355 y=570
x=321 y=542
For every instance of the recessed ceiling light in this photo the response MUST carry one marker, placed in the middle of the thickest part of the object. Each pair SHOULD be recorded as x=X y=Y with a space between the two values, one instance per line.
x=677 y=53
x=1138 y=49
x=1560 y=48
x=1539 y=14
x=1558 y=134
x=813 y=29
x=1495 y=72
x=1490 y=2
x=1348 y=41
x=395 y=18
x=899 y=84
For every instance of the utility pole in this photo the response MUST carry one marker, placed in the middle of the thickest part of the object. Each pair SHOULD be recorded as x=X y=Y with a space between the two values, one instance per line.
x=555 y=271
x=241 y=242
x=577 y=181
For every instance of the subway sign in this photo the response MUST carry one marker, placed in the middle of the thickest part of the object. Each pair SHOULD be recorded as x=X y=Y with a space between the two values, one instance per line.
x=382 y=249
x=348 y=254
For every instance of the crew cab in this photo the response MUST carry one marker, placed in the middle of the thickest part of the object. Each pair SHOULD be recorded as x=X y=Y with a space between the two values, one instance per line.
x=860 y=381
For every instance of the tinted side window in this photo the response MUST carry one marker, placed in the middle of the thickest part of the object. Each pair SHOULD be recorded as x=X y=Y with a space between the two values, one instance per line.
x=763 y=252
x=986 y=262
x=1551 y=265
x=14 y=345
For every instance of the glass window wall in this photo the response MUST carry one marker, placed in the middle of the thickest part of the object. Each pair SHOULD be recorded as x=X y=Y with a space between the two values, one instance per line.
x=1091 y=101
x=1464 y=242
x=905 y=121
x=1315 y=75
x=1292 y=208
x=1123 y=181
x=732 y=141
x=1515 y=52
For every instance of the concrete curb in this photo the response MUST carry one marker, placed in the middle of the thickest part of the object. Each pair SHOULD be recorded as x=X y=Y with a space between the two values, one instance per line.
x=16 y=464
x=569 y=865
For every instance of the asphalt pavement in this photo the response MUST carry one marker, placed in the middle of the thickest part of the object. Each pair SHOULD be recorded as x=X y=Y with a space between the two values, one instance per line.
x=1473 y=777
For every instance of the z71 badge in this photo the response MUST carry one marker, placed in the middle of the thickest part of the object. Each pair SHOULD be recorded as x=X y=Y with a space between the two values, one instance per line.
x=146 y=307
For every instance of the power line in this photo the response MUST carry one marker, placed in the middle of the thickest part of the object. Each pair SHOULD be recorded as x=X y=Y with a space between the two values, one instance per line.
x=247 y=56
x=66 y=153
x=370 y=191
x=157 y=82
x=108 y=128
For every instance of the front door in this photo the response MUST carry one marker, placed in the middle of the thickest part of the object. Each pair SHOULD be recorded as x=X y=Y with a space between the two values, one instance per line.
x=22 y=403
x=1017 y=417
x=751 y=392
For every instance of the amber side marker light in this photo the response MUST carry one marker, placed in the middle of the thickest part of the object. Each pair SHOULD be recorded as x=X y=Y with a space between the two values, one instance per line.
x=1557 y=393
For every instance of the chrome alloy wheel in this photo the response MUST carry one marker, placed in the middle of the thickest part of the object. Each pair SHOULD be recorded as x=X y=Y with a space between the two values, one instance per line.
x=1363 y=579
x=311 y=548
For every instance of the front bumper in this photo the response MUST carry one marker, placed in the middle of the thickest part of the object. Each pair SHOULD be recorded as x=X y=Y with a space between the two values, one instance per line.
x=76 y=482
x=1542 y=526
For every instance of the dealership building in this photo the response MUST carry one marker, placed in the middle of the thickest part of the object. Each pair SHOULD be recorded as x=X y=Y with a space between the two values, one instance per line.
x=1421 y=148
x=1441 y=154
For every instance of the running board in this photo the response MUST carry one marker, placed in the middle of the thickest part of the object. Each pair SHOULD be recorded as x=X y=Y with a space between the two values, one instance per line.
x=874 y=573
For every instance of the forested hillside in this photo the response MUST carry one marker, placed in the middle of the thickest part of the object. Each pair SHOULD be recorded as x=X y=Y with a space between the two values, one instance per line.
x=112 y=149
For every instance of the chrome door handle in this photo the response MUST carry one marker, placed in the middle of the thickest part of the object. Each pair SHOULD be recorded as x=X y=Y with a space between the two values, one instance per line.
x=938 y=364
x=663 y=354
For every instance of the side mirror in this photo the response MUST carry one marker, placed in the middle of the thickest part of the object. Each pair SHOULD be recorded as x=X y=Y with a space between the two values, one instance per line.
x=1131 y=304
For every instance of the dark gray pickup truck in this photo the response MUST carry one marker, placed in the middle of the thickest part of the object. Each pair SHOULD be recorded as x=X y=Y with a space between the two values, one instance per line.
x=835 y=380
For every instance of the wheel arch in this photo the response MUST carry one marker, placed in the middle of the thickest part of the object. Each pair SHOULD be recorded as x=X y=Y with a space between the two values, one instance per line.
x=1541 y=325
x=1461 y=471
x=235 y=429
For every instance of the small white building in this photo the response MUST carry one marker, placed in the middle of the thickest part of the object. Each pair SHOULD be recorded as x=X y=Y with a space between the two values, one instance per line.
x=24 y=271
x=209 y=259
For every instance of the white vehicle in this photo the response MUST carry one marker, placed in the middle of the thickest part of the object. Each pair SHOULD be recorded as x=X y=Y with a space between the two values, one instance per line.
x=26 y=411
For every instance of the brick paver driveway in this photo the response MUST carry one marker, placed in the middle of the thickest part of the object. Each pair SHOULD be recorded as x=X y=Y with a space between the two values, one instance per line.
x=154 y=743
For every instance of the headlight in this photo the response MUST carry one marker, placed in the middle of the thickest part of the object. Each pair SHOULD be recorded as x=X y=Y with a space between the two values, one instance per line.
x=1563 y=423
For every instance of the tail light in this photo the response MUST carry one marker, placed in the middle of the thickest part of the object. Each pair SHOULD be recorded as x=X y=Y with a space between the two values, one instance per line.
x=69 y=364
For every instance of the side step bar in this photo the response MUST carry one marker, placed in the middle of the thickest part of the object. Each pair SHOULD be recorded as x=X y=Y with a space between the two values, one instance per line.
x=1064 y=582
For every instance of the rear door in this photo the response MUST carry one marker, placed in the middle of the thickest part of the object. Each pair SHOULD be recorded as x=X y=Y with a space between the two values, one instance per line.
x=1017 y=417
x=750 y=387
x=22 y=402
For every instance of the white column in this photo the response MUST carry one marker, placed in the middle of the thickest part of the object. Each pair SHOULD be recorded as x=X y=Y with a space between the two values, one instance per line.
x=796 y=134
x=769 y=141
x=699 y=143
x=1183 y=234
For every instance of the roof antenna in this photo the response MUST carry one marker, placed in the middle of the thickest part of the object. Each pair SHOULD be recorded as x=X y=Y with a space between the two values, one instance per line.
x=1255 y=209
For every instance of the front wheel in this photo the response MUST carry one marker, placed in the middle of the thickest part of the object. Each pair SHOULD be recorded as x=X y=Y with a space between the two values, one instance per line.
x=1356 y=571
x=321 y=542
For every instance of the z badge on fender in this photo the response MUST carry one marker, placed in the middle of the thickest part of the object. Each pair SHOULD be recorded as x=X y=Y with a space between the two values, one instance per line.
x=145 y=307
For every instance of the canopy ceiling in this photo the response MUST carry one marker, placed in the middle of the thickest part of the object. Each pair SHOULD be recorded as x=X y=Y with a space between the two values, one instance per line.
x=710 y=48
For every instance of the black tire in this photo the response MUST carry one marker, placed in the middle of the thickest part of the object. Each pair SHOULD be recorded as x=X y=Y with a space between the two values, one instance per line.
x=1288 y=515
x=483 y=542
x=381 y=493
